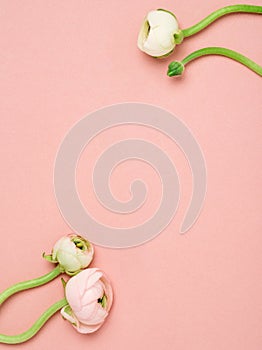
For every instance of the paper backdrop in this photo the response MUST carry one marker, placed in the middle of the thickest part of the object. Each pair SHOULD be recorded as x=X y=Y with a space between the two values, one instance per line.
x=61 y=60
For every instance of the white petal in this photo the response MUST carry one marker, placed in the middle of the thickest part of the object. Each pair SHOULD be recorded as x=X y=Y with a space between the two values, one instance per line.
x=56 y=247
x=65 y=244
x=68 y=246
x=68 y=261
x=84 y=258
x=158 y=43
x=164 y=38
x=143 y=33
x=163 y=19
x=151 y=45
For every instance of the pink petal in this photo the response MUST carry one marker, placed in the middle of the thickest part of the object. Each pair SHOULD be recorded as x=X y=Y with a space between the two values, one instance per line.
x=91 y=314
x=92 y=279
x=86 y=312
x=93 y=294
x=108 y=292
x=85 y=329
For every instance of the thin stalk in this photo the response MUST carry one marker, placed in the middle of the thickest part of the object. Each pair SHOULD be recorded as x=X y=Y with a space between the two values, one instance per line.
x=18 y=287
x=177 y=68
x=23 y=337
x=220 y=13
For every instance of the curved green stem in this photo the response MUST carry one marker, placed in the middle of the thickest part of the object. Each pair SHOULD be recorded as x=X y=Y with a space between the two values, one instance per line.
x=177 y=68
x=20 y=338
x=29 y=284
x=219 y=13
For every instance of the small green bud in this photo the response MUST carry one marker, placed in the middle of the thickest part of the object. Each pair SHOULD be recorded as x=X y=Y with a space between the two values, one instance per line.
x=175 y=68
x=63 y=282
x=48 y=257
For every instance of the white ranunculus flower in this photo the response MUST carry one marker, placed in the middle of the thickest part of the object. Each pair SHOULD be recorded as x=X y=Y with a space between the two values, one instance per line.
x=157 y=34
x=73 y=253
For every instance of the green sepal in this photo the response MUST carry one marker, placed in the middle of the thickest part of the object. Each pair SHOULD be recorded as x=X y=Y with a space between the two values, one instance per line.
x=63 y=282
x=179 y=36
x=68 y=310
x=48 y=258
x=71 y=274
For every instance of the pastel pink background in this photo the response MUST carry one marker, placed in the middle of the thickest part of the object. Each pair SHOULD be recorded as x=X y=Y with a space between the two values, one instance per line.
x=59 y=61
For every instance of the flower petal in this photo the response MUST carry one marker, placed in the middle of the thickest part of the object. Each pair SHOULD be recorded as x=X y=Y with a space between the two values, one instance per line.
x=84 y=258
x=143 y=33
x=68 y=261
x=78 y=285
x=108 y=292
x=56 y=247
x=159 y=42
x=164 y=19
x=86 y=313
x=68 y=246
x=68 y=316
x=91 y=314
x=86 y=329
x=93 y=294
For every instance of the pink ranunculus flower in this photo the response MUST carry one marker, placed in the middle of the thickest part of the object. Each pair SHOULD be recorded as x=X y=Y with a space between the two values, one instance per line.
x=90 y=296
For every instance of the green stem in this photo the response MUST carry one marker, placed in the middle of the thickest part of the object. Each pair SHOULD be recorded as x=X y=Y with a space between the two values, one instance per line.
x=219 y=13
x=29 y=284
x=20 y=338
x=177 y=68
